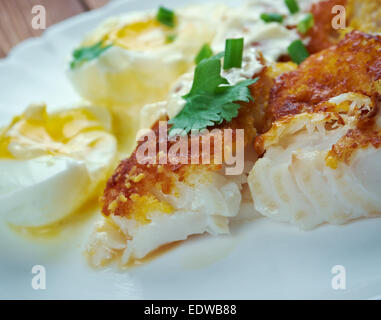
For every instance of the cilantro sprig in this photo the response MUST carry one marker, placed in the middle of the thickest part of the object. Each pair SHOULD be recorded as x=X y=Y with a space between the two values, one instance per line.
x=211 y=99
x=204 y=53
x=85 y=54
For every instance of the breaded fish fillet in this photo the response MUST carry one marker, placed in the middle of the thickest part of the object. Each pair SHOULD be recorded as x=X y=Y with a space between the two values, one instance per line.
x=322 y=155
x=155 y=204
x=364 y=15
x=322 y=35
x=361 y=15
x=147 y=205
x=353 y=65
x=322 y=166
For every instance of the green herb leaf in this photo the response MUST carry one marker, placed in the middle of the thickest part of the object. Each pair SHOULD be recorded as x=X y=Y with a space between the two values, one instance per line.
x=233 y=53
x=208 y=103
x=204 y=53
x=298 y=52
x=272 y=17
x=292 y=6
x=207 y=76
x=306 y=23
x=85 y=54
x=166 y=17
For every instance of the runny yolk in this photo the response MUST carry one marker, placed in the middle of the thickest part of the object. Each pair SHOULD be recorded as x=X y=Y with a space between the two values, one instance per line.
x=141 y=35
x=50 y=132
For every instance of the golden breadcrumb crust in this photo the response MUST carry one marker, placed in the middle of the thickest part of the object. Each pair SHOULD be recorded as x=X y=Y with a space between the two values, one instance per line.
x=353 y=65
x=322 y=35
x=364 y=134
x=364 y=15
x=131 y=190
x=361 y=15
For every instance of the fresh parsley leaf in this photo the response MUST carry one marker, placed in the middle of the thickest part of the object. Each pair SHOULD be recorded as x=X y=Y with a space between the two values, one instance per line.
x=204 y=53
x=211 y=99
x=85 y=54
x=207 y=76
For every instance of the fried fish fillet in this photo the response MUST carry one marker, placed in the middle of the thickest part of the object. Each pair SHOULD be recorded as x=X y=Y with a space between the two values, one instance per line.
x=146 y=205
x=321 y=157
x=155 y=204
x=361 y=15
x=353 y=65
x=364 y=15
x=322 y=166
x=322 y=35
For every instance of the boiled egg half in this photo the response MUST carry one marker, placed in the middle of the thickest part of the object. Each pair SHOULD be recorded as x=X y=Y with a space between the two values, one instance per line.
x=138 y=57
x=51 y=163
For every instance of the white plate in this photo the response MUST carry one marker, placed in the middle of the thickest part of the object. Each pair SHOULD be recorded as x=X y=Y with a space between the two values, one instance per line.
x=260 y=259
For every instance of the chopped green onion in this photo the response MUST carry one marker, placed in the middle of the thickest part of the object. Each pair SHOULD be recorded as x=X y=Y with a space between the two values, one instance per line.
x=292 y=6
x=233 y=53
x=166 y=16
x=204 y=53
x=271 y=17
x=297 y=51
x=170 y=38
x=306 y=23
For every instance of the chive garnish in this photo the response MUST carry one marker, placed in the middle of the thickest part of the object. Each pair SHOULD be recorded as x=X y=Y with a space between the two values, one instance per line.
x=297 y=51
x=166 y=17
x=306 y=23
x=271 y=17
x=233 y=53
x=292 y=6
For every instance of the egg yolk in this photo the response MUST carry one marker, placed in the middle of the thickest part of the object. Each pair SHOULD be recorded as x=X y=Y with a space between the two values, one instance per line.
x=50 y=133
x=141 y=35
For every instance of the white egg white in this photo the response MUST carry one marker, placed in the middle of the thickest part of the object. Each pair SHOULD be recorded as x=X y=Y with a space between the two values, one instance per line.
x=136 y=76
x=45 y=180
